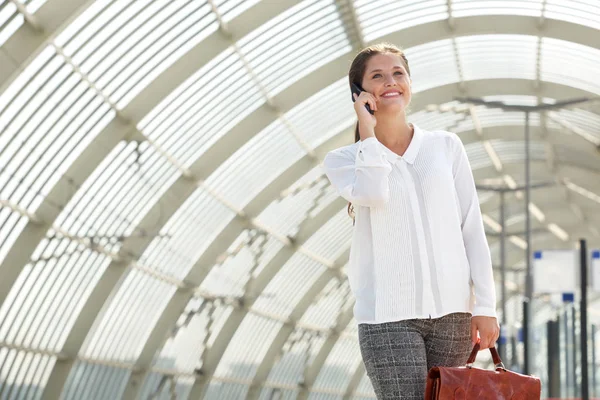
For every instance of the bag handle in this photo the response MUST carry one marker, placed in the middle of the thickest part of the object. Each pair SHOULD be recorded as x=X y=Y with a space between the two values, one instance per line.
x=495 y=357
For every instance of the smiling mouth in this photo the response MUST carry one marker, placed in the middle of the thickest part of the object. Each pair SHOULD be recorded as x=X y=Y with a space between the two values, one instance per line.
x=393 y=94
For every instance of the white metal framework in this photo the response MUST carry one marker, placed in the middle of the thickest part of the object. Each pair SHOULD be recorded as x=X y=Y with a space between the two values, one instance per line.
x=166 y=230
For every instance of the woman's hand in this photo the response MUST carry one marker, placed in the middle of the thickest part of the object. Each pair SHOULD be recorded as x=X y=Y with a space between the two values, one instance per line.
x=488 y=331
x=366 y=121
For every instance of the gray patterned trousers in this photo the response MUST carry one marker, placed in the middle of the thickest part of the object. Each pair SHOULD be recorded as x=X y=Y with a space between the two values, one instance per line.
x=398 y=355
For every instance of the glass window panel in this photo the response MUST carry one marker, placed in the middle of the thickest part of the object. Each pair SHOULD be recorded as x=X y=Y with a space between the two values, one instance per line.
x=570 y=64
x=364 y=389
x=514 y=151
x=299 y=351
x=434 y=120
x=79 y=24
x=187 y=340
x=323 y=115
x=379 y=18
x=48 y=131
x=203 y=109
x=498 y=56
x=465 y=8
x=108 y=45
x=235 y=179
x=10 y=22
x=339 y=366
x=586 y=120
x=247 y=259
x=186 y=34
x=27 y=385
x=129 y=318
x=187 y=234
x=333 y=238
x=226 y=390
x=154 y=388
x=115 y=198
x=478 y=157
x=302 y=39
x=269 y=393
x=583 y=12
x=282 y=293
x=247 y=347
x=8 y=10
x=11 y=225
x=328 y=304
x=16 y=90
x=230 y=9
x=48 y=295
x=97 y=18
x=286 y=214
x=432 y=64
x=95 y=381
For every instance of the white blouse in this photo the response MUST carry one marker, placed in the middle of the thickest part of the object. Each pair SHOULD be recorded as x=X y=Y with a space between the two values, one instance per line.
x=419 y=248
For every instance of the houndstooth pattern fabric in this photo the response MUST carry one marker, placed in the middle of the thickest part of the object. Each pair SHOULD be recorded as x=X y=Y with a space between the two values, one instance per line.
x=398 y=355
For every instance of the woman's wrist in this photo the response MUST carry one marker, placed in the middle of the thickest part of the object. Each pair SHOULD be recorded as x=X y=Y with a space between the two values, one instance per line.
x=365 y=133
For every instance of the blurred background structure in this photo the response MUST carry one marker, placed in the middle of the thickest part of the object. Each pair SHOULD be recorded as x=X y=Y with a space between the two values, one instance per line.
x=166 y=229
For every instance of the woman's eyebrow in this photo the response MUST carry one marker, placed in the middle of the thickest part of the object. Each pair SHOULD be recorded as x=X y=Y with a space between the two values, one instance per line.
x=379 y=70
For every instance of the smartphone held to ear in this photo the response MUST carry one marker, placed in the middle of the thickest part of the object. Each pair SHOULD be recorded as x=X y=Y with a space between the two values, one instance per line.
x=357 y=89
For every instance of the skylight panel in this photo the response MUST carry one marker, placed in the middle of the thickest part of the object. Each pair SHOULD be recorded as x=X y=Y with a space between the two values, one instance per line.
x=129 y=318
x=203 y=109
x=379 y=18
x=583 y=12
x=498 y=56
x=10 y=20
x=266 y=155
x=570 y=64
x=230 y=9
x=466 y=8
x=432 y=64
x=295 y=43
x=186 y=235
x=323 y=115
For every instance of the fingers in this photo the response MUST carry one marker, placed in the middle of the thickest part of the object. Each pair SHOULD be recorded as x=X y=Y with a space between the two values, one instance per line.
x=367 y=98
x=489 y=338
x=473 y=333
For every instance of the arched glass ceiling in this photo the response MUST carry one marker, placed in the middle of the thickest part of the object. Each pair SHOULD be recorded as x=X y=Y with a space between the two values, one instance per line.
x=166 y=226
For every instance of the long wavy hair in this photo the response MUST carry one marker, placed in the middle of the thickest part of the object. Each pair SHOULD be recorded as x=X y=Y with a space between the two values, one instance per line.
x=357 y=73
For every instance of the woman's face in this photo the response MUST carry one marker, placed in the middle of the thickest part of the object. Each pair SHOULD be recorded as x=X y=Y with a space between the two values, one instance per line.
x=387 y=79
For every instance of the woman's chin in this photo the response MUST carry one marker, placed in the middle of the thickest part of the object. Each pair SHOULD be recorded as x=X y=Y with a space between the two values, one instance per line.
x=391 y=108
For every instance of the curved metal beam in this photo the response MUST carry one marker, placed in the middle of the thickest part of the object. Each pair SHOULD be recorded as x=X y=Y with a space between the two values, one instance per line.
x=181 y=190
x=91 y=157
x=32 y=234
x=113 y=273
x=178 y=302
x=216 y=351
x=286 y=330
x=198 y=56
x=177 y=73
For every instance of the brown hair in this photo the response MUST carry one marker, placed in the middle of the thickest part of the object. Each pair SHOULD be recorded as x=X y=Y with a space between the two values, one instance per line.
x=357 y=73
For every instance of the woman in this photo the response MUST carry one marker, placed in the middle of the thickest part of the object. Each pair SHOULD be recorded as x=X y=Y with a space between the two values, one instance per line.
x=420 y=266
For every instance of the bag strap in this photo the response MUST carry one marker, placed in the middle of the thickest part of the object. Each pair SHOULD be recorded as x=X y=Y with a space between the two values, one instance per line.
x=495 y=357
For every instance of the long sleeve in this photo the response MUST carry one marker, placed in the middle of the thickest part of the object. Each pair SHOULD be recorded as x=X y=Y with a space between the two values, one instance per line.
x=360 y=178
x=476 y=246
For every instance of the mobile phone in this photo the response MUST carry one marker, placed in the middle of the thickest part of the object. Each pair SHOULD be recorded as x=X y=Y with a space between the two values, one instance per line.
x=356 y=88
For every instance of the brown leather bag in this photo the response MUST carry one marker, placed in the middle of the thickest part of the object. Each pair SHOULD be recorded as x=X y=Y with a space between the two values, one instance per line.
x=468 y=383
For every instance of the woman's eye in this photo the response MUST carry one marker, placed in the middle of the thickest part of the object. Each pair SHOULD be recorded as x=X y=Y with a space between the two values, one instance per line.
x=376 y=76
x=398 y=73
